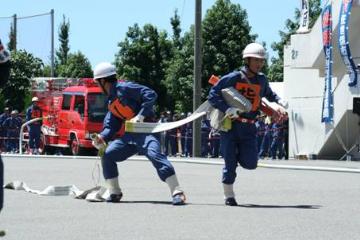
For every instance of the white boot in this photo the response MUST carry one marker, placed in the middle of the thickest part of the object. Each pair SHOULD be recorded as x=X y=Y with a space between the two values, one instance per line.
x=178 y=196
x=113 y=185
x=229 y=195
x=228 y=191
x=115 y=194
x=173 y=184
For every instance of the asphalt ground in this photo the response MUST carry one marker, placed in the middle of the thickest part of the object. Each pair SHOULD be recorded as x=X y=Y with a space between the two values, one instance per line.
x=274 y=203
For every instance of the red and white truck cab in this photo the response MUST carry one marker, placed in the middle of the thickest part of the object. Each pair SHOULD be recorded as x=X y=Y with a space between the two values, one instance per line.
x=72 y=110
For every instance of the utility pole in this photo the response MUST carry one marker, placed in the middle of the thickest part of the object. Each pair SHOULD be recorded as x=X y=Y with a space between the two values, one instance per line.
x=197 y=80
x=52 y=43
x=15 y=31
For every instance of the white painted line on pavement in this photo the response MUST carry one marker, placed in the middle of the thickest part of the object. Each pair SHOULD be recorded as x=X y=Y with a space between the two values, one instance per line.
x=201 y=161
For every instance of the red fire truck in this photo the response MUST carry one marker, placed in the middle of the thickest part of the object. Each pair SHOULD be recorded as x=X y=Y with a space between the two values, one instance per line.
x=72 y=109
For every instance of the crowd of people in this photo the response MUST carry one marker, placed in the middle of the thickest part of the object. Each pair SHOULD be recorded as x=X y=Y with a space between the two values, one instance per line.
x=179 y=141
x=10 y=124
x=272 y=138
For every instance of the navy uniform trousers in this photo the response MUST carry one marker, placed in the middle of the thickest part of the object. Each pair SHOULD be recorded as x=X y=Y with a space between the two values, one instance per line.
x=238 y=146
x=130 y=144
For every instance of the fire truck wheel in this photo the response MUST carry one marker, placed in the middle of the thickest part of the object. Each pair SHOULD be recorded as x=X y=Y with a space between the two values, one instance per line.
x=75 y=147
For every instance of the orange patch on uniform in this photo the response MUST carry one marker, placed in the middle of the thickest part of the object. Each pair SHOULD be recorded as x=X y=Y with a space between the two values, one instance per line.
x=120 y=110
x=251 y=92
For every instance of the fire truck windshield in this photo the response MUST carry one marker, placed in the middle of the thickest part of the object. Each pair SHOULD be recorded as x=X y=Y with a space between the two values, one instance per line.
x=97 y=107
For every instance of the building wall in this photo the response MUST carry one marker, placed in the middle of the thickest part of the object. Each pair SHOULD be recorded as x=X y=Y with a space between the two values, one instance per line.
x=304 y=64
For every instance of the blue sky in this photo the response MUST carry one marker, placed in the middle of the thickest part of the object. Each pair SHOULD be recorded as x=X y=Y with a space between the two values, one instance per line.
x=97 y=26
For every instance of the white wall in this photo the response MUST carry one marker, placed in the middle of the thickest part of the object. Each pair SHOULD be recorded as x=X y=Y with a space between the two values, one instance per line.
x=304 y=87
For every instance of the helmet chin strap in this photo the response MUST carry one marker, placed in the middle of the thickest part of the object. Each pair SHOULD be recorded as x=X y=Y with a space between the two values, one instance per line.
x=103 y=86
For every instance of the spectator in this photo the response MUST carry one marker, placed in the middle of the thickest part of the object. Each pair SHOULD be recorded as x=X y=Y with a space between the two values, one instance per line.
x=170 y=138
x=188 y=138
x=205 y=131
x=266 y=142
x=277 y=146
x=162 y=119
x=34 y=128
x=286 y=138
x=260 y=130
x=182 y=131
x=214 y=143
x=12 y=126
x=3 y=117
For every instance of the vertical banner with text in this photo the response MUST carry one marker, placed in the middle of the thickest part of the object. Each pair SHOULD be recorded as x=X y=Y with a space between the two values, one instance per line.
x=344 y=45
x=304 y=17
x=327 y=106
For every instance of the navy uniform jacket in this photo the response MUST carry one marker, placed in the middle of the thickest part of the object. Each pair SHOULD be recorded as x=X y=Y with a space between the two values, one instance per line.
x=33 y=112
x=258 y=89
x=139 y=98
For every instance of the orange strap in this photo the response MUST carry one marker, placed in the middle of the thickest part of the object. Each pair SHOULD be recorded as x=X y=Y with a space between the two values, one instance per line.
x=121 y=111
x=213 y=80
x=265 y=108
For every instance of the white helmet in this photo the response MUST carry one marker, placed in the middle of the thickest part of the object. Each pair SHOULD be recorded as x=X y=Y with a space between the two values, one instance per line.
x=254 y=50
x=35 y=99
x=103 y=70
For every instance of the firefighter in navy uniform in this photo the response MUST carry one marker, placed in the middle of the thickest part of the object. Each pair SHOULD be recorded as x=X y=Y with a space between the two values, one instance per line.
x=34 y=128
x=4 y=77
x=205 y=132
x=12 y=126
x=134 y=102
x=3 y=117
x=277 y=143
x=188 y=138
x=260 y=126
x=238 y=143
x=214 y=143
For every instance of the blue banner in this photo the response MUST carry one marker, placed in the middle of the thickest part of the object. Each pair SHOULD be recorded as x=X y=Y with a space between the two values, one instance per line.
x=344 y=45
x=328 y=106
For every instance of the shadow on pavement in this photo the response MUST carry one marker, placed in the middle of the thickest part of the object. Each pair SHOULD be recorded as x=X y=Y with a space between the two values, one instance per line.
x=260 y=206
x=280 y=206
x=151 y=202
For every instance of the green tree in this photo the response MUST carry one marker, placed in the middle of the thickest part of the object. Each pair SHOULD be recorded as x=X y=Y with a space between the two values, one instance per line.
x=276 y=68
x=24 y=67
x=175 y=23
x=143 y=58
x=12 y=37
x=77 y=66
x=63 y=52
x=226 y=32
x=180 y=76
x=47 y=71
x=144 y=54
